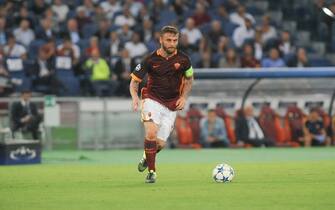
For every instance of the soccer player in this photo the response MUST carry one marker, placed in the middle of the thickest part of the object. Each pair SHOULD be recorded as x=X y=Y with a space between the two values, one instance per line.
x=170 y=77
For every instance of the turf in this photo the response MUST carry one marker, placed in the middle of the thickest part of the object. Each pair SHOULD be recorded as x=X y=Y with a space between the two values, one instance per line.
x=265 y=179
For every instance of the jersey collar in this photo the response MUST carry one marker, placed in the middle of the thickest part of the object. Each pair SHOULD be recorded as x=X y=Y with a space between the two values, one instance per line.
x=159 y=53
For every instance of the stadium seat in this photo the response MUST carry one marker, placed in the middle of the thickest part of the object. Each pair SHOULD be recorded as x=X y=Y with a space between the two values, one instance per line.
x=271 y=125
x=184 y=133
x=229 y=28
x=33 y=48
x=228 y=120
x=64 y=73
x=89 y=30
x=194 y=116
x=293 y=124
x=320 y=62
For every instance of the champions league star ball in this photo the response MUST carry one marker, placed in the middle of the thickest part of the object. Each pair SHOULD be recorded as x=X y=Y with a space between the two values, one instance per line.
x=223 y=173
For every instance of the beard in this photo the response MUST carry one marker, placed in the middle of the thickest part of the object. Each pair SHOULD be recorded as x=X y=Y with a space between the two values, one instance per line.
x=169 y=50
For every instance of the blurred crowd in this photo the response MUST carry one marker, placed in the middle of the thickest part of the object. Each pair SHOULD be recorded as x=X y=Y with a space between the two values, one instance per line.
x=89 y=47
x=216 y=128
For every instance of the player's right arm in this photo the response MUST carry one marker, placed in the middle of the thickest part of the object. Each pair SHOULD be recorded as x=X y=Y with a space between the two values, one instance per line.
x=136 y=78
x=133 y=88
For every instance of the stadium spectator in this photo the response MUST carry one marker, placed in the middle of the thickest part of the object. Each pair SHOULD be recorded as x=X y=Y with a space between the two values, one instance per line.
x=25 y=116
x=49 y=49
x=268 y=31
x=147 y=30
x=213 y=131
x=206 y=60
x=248 y=130
x=286 y=45
x=185 y=46
x=200 y=15
x=94 y=45
x=103 y=31
x=99 y=15
x=274 y=60
x=82 y=18
x=125 y=33
x=193 y=34
x=43 y=71
x=221 y=14
x=315 y=131
x=49 y=14
x=89 y=7
x=143 y=15
x=125 y=18
x=67 y=48
x=111 y=7
x=231 y=5
x=216 y=36
x=243 y=32
x=102 y=78
x=5 y=82
x=248 y=59
x=24 y=34
x=13 y=49
x=134 y=7
x=3 y=31
x=136 y=47
x=300 y=59
x=180 y=7
x=258 y=45
x=155 y=8
x=230 y=60
x=73 y=31
x=115 y=45
x=60 y=9
x=123 y=67
x=23 y=14
x=240 y=15
x=45 y=32
x=38 y=7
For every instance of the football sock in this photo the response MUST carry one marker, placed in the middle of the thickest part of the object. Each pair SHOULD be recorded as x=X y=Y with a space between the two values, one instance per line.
x=157 y=151
x=150 y=148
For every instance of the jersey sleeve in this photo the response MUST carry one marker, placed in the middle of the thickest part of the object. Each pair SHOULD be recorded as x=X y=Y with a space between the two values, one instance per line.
x=188 y=70
x=140 y=71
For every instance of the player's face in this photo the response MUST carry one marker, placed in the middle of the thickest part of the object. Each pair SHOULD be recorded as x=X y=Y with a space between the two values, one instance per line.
x=169 y=42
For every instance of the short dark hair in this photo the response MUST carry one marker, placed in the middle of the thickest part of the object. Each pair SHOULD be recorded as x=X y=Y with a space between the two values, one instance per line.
x=169 y=29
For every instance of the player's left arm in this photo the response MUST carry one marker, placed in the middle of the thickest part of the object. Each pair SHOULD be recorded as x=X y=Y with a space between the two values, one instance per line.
x=186 y=88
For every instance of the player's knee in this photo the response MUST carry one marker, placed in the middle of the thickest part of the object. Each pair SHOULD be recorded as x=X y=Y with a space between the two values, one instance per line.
x=151 y=135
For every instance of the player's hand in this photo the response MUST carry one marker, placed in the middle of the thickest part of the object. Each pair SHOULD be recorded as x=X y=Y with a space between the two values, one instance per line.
x=135 y=103
x=180 y=103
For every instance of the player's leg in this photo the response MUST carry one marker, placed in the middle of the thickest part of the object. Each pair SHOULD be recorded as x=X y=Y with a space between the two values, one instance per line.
x=150 y=148
x=151 y=119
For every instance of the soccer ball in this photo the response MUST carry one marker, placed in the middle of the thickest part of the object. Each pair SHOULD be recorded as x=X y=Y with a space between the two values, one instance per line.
x=223 y=173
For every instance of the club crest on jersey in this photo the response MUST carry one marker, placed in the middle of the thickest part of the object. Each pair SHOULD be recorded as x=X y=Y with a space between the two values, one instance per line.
x=138 y=67
x=177 y=66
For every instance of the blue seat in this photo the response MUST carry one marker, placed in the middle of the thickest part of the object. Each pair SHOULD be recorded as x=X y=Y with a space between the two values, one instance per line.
x=69 y=81
x=89 y=30
x=320 y=62
x=229 y=28
x=34 y=47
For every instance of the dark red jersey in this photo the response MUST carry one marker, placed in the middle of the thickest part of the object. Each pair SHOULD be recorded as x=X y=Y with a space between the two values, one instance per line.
x=165 y=77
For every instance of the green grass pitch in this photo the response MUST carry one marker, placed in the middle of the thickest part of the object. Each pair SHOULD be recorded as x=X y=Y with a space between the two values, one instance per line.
x=82 y=180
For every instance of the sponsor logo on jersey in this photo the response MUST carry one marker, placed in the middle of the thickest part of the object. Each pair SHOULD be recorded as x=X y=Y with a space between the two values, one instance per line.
x=177 y=66
x=138 y=67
